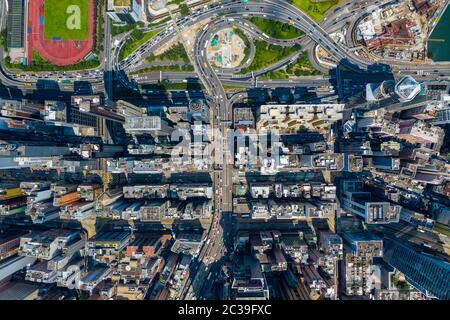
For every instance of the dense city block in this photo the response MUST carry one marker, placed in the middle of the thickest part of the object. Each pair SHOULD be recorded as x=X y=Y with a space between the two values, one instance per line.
x=224 y=150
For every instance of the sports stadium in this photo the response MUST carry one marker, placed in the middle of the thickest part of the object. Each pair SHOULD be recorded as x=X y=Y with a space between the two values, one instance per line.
x=60 y=31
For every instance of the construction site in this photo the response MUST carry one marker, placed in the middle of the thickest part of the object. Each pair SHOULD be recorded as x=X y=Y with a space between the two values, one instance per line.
x=400 y=31
x=226 y=49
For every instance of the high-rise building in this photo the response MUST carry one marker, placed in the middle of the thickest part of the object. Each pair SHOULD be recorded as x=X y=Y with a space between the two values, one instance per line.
x=356 y=201
x=427 y=273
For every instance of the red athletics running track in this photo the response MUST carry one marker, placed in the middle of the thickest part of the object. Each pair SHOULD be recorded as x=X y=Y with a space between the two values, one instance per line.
x=58 y=52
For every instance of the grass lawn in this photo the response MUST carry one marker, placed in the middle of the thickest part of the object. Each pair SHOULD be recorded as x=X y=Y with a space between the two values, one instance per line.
x=176 y=53
x=302 y=67
x=267 y=55
x=275 y=75
x=232 y=87
x=315 y=9
x=244 y=38
x=187 y=68
x=136 y=39
x=40 y=64
x=61 y=19
x=276 y=29
x=442 y=229
x=115 y=30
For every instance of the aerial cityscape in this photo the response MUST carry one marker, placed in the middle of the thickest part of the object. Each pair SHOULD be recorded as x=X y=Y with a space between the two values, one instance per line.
x=224 y=150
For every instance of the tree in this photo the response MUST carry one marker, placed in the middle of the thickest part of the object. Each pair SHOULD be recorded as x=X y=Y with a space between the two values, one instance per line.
x=184 y=9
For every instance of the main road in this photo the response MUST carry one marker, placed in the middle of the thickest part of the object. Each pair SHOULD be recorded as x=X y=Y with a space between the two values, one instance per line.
x=278 y=10
x=283 y=12
x=214 y=247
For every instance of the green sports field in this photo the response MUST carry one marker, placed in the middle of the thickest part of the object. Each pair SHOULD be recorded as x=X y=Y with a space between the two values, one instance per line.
x=61 y=19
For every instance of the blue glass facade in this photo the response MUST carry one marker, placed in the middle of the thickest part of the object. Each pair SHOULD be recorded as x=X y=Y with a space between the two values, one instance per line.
x=423 y=271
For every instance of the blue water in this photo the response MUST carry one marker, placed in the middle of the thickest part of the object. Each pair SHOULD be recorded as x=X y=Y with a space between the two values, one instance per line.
x=440 y=51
